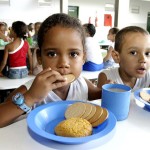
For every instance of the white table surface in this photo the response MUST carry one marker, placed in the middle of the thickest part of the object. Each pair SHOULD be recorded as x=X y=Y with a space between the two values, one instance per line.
x=2 y=47
x=130 y=134
x=90 y=74
x=6 y=83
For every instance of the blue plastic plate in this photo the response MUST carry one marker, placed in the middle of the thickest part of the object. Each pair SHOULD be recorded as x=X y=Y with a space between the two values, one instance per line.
x=137 y=97
x=43 y=120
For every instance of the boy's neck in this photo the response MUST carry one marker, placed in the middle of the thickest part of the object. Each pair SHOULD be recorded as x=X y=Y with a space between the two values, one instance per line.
x=130 y=81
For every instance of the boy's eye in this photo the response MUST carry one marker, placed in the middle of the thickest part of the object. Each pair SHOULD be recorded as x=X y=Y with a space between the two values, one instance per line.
x=73 y=54
x=52 y=54
x=147 y=53
x=133 y=52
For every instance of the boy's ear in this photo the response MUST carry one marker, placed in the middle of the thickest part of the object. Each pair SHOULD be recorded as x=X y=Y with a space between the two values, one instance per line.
x=84 y=57
x=116 y=56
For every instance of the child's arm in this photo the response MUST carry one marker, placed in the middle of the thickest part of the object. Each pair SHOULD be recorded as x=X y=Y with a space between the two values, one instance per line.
x=4 y=61
x=44 y=82
x=9 y=111
x=109 y=53
x=93 y=91
x=30 y=60
x=35 y=62
x=102 y=79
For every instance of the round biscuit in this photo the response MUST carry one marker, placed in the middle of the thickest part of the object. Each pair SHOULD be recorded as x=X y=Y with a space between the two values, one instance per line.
x=75 y=110
x=103 y=117
x=92 y=112
x=70 y=77
x=144 y=95
x=74 y=127
x=88 y=110
x=97 y=115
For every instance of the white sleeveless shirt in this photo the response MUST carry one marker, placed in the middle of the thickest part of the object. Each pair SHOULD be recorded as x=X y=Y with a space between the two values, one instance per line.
x=78 y=91
x=113 y=74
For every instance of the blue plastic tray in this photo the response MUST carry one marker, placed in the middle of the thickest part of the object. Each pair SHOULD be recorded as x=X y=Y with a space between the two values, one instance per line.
x=137 y=97
x=43 y=120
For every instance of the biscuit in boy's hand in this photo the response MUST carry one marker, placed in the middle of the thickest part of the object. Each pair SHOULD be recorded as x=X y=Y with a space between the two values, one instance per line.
x=145 y=96
x=74 y=127
x=70 y=77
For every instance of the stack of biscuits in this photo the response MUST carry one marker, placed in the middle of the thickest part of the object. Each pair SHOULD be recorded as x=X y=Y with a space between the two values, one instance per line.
x=145 y=96
x=80 y=119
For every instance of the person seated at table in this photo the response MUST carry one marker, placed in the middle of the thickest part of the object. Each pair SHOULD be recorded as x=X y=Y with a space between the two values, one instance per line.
x=61 y=42
x=108 y=60
x=37 y=64
x=94 y=60
x=16 y=53
x=31 y=30
x=36 y=28
x=2 y=33
x=132 y=52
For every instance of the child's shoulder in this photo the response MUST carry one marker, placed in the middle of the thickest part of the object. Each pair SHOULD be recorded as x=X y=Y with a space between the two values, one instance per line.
x=9 y=46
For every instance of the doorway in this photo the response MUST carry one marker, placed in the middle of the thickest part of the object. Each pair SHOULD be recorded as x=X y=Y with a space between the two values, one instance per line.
x=148 y=22
x=73 y=11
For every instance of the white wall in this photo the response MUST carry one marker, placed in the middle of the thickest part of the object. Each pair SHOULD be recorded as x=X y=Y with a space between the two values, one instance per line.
x=91 y=8
x=139 y=19
x=27 y=11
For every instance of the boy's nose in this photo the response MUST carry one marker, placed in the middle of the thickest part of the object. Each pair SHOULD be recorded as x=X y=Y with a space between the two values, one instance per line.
x=142 y=59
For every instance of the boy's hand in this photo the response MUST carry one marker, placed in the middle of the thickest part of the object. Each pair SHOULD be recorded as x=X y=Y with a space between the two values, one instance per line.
x=44 y=82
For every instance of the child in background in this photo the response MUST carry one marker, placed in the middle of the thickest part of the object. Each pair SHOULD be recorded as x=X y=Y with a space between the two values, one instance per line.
x=94 y=60
x=108 y=60
x=2 y=32
x=61 y=42
x=16 y=53
x=37 y=64
x=36 y=28
x=132 y=52
x=31 y=30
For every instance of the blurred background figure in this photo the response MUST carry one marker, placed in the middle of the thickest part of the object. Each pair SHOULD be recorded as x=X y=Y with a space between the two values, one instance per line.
x=16 y=53
x=4 y=32
x=108 y=60
x=94 y=60
x=37 y=64
x=37 y=67
x=36 y=29
x=31 y=30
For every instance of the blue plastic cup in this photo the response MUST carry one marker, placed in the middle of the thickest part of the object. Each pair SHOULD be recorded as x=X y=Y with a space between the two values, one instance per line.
x=116 y=98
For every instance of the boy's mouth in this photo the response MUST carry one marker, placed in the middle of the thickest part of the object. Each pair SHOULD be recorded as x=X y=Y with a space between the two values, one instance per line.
x=141 y=70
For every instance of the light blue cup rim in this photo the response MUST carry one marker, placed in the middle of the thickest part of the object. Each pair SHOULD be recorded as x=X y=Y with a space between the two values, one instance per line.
x=120 y=86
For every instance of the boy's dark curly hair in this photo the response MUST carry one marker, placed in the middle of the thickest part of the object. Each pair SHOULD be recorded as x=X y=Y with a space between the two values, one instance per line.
x=63 y=20
x=20 y=28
